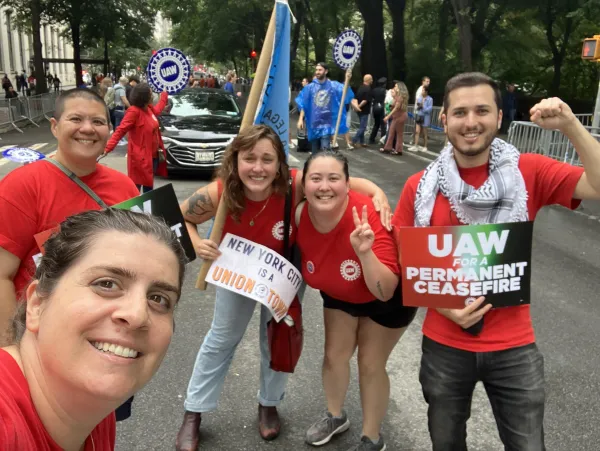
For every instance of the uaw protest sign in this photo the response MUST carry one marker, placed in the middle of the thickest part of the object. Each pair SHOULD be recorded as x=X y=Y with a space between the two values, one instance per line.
x=257 y=272
x=449 y=267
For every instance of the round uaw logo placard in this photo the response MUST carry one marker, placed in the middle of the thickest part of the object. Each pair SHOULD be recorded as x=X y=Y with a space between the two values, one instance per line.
x=168 y=70
x=22 y=155
x=346 y=49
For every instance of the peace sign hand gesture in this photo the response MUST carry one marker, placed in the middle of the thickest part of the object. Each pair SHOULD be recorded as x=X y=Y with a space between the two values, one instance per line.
x=362 y=237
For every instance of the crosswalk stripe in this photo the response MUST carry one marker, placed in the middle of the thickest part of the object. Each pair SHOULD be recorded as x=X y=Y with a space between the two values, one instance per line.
x=38 y=146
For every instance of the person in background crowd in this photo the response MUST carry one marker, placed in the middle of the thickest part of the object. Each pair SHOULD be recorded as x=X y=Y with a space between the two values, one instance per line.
x=121 y=104
x=109 y=98
x=56 y=82
x=478 y=343
x=11 y=93
x=423 y=109
x=6 y=83
x=509 y=106
x=378 y=95
x=114 y=330
x=145 y=148
x=394 y=143
x=229 y=85
x=319 y=103
x=254 y=177
x=352 y=259
x=133 y=81
x=363 y=109
x=425 y=82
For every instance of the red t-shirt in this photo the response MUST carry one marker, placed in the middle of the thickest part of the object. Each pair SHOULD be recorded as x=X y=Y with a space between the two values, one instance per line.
x=20 y=426
x=38 y=197
x=329 y=262
x=548 y=182
x=268 y=223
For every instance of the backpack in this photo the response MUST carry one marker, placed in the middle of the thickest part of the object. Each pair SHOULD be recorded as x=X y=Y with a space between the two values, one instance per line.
x=109 y=98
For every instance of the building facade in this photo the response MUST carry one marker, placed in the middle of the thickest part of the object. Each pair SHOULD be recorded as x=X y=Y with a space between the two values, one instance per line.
x=16 y=50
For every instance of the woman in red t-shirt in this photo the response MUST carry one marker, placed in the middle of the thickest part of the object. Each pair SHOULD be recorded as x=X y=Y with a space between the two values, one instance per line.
x=146 y=150
x=350 y=257
x=96 y=326
x=255 y=177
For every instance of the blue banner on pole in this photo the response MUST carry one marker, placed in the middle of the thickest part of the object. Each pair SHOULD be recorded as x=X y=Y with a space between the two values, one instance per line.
x=274 y=101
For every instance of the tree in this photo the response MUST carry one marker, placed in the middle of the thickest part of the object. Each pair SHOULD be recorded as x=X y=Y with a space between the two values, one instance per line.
x=397 y=45
x=374 y=58
x=28 y=14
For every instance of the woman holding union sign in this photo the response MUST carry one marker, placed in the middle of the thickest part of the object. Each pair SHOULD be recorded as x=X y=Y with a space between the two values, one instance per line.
x=255 y=177
x=353 y=260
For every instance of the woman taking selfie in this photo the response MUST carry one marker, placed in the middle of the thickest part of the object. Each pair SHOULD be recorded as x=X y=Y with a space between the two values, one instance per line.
x=349 y=256
x=255 y=177
x=97 y=325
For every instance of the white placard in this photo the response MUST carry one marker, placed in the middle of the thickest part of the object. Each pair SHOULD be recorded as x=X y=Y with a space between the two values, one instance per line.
x=257 y=272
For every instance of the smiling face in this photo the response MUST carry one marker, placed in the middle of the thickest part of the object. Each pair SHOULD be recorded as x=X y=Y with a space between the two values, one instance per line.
x=326 y=185
x=258 y=168
x=106 y=326
x=472 y=120
x=82 y=130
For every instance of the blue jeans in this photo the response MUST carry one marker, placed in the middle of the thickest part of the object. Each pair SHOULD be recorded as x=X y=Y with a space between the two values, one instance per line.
x=360 y=134
x=232 y=315
x=513 y=380
x=322 y=143
x=119 y=113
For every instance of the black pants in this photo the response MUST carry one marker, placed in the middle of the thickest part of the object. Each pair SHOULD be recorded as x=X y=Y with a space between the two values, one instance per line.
x=513 y=380
x=379 y=123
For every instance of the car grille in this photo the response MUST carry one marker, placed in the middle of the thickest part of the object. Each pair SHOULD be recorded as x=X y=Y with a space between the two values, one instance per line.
x=184 y=151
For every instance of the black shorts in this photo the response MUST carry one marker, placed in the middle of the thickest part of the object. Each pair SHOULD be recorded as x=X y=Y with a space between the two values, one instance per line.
x=391 y=314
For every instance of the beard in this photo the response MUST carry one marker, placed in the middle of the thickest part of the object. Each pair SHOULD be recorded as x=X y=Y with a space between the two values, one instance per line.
x=474 y=151
x=321 y=77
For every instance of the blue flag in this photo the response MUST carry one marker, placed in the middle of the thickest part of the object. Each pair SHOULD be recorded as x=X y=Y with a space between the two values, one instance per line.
x=274 y=100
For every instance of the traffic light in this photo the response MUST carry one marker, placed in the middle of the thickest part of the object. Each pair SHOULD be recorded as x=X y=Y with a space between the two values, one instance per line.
x=154 y=52
x=253 y=54
x=591 y=49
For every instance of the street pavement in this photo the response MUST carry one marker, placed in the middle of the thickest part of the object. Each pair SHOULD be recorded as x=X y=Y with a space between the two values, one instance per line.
x=566 y=314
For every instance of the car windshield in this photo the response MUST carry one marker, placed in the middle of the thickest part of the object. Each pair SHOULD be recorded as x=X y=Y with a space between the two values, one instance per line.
x=201 y=103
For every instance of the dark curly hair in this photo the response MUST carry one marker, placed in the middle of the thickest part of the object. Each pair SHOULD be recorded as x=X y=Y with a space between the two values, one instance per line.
x=141 y=95
x=233 y=188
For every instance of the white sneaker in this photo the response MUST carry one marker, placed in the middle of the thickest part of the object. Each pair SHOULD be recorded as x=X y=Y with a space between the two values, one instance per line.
x=413 y=148
x=423 y=149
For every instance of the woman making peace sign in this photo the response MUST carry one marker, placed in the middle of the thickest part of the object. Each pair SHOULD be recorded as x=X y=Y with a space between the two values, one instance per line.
x=353 y=261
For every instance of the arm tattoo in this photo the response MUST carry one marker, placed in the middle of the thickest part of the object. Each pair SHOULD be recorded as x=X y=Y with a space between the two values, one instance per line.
x=380 y=290
x=199 y=204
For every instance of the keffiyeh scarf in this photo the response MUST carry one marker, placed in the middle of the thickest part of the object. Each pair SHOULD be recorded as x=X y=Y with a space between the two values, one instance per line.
x=501 y=198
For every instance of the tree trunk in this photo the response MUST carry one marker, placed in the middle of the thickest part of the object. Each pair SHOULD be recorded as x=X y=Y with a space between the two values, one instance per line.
x=76 y=36
x=375 y=54
x=296 y=36
x=364 y=63
x=445 y=11
x=306 y=49
x=462 y=9
x=397 y=46
x=40 y=77
x=105 y=56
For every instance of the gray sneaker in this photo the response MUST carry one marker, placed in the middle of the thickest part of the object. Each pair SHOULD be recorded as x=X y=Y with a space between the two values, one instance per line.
x=324 y=429
x=367 y=445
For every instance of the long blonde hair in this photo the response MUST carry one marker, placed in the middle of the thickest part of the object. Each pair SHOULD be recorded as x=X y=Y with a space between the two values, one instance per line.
x=402 y=90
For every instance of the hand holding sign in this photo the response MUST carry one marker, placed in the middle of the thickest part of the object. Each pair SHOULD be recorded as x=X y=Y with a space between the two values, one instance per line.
x=363 y=237
x=207 y=250
x=468 y=316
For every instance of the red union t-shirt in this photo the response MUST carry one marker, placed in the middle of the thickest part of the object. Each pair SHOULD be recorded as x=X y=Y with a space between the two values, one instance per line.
x=268 y=223
x=38 y=197
x=20 y=426
x=329 y=262
x=548 y=182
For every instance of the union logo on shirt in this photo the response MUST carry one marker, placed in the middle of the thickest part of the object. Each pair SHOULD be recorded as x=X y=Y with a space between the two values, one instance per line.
x=310 y=267
x=350 y=270
x=278 y=231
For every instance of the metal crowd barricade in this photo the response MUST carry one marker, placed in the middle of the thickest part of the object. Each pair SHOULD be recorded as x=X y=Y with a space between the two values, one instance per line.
x=531 y=138
x=585 y=119
x=36 y=106
x=14 y=113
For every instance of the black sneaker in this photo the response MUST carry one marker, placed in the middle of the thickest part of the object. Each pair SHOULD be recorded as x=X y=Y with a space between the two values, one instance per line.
x=367 y=445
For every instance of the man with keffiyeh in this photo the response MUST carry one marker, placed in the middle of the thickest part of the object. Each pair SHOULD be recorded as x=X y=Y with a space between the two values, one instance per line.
x=480 y=179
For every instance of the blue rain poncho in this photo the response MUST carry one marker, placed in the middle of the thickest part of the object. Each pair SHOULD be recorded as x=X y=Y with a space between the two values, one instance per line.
x=321 y=104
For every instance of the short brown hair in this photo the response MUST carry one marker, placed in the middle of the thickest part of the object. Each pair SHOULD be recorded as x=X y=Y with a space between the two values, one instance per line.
x=141 y=95
x=78 y=93
x=233 y=188
x=470 y=80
